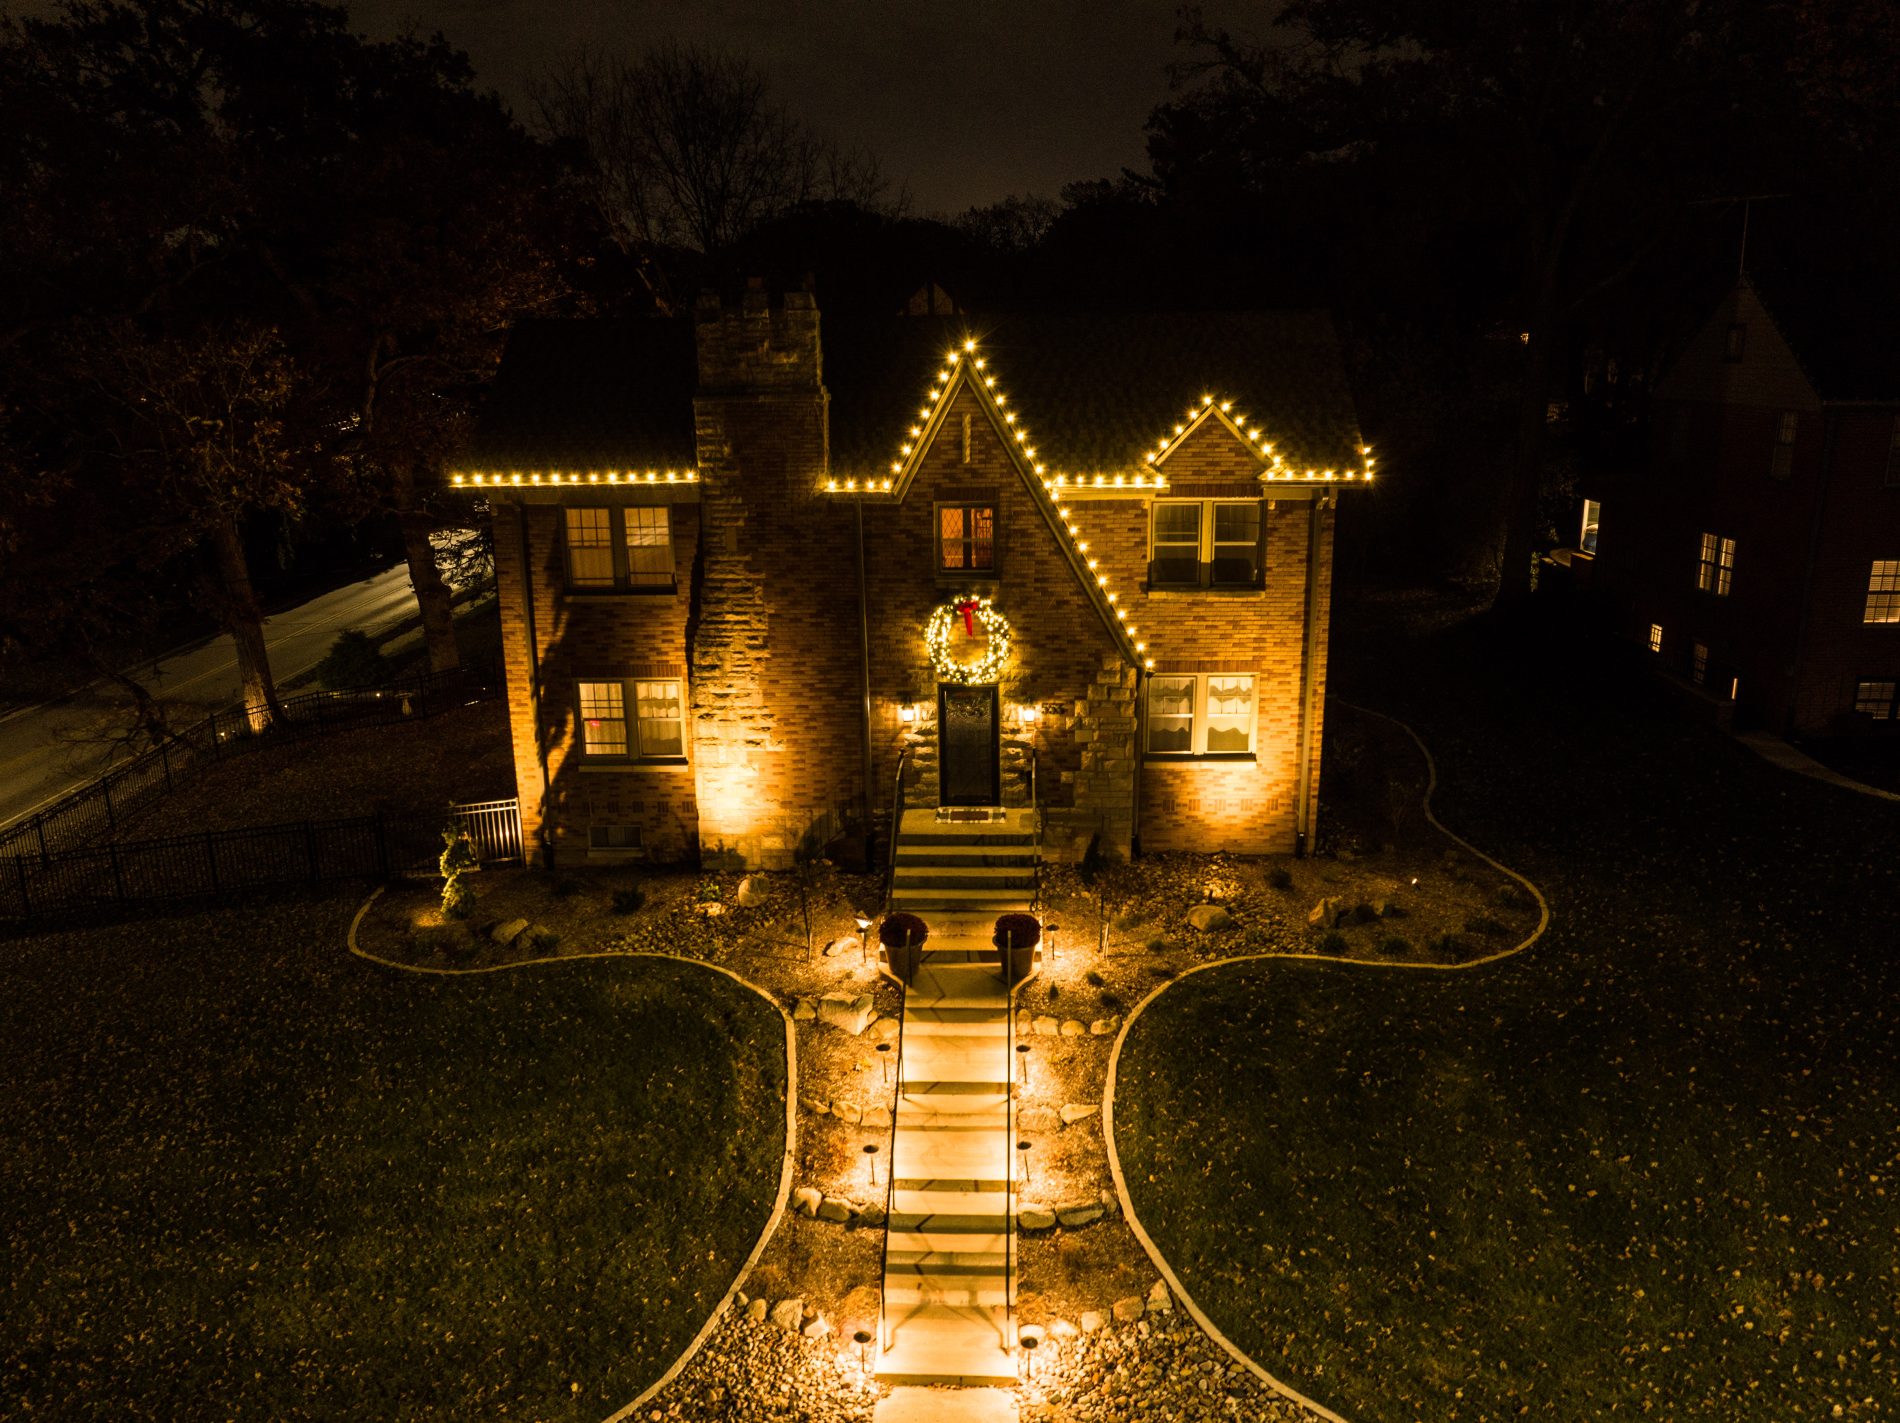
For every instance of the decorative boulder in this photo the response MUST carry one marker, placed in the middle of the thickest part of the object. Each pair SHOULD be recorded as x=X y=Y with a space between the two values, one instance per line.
x=1210 y=918
x=834 y=1210
x=752 y=892
x=806 y=1200
x=1103 y=1027
x=1073 y=1112
x=1047 y=1025
x=506 y=932
x=1062 y=1329
x=1074 y=1216
x=1326 y=912
x=756 y=1311
x=818 y=1328
x=789 y=1315
x=1128 y=1310
x=1035 y=1218
x=852 y=1015
x=804 y=1011
x=872 y=1215
x=1091 y=1322
x=1159 y=1300
x=1074 y=1028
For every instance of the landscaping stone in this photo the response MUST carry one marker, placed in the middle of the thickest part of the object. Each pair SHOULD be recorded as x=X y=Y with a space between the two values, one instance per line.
x=1092 y=1321
x=506 y=932
x=851 y=1015
x=872 y=1215
x=876 y=1117
x=1111 y=1203
x=1074 y=1028
x=847 y=1112
x=756 y=1311
x=1159 y=1300
x=1060 y=1330
x=789 y=1315
x=884 y=1030
x=814 y=1106
x=834 y=1210
x=1327 y=911
x=806 y=1200
x=1210 y=918
x=818 y=1328
x=1035 y=1218
x=1105 y=1027
x=1047 y=1025
x=1128 y=1310
x=1085 y=1214
x=804 y=1011
x=752 y=892
x=1073 y=1112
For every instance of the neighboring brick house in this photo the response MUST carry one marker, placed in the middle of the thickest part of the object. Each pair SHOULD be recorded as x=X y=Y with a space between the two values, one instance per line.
x=1758 y=554
x=720 y=546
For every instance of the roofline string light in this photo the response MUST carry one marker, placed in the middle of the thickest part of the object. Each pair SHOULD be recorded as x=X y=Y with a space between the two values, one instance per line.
x=565 y=477
x=1277 y=467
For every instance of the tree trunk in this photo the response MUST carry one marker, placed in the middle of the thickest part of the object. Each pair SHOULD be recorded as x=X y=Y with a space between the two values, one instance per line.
x=1527 y=463
x=432 y=594
x=238 y=612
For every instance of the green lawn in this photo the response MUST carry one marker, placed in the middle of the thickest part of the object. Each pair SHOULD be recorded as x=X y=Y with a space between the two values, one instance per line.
x=1652 y=1168
x=244 y=1176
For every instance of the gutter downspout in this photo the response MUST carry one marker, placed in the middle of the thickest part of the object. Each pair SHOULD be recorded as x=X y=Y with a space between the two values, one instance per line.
x=534 y=683
x=864 y=682
x=1302 y=818
x=1829 y=439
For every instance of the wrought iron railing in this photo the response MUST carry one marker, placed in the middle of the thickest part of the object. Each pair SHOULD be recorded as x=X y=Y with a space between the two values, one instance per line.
x=890 y=1177
x=897 y=825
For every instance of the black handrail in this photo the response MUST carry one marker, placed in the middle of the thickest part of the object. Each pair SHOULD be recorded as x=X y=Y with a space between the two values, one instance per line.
x=890 y=1174
x=897 y=821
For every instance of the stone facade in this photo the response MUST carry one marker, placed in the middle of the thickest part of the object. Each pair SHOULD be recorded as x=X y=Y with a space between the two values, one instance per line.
x=803 y=703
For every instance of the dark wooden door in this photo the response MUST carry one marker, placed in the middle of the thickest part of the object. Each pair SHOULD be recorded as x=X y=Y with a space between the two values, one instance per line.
x=968 y=766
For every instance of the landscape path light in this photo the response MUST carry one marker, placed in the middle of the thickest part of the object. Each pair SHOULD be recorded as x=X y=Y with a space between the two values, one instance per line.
x=1022 y=1057
x=1029 y=1342
x=864 y=937
x=884 y=1056
x=1022 y=1150
x=870 y=1155
x=862 y=1338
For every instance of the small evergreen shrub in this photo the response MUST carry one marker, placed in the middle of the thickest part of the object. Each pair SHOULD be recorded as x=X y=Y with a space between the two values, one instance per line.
x=1363 y=913
x=544 y=941
x=1110 y=999
x=1396 y=947
x=354 y=661
x=709 y=892
x=1396 y=911
x=1333 y=943
x=1095 y=979
x=1448 y=948
x=629 y=901
x=1280 y=877
x=458 y=858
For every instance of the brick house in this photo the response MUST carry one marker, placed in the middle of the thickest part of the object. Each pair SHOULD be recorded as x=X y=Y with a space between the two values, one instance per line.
x=1757 y=557
x=748 y=568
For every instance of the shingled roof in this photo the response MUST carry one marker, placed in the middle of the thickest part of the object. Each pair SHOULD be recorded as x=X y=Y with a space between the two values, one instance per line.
x=1098 y=390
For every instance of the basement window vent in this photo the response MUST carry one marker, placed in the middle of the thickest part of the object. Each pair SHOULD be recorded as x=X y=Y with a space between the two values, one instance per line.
x=615 y=839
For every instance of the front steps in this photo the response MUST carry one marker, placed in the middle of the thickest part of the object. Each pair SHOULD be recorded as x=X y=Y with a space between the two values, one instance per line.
x=971 y=868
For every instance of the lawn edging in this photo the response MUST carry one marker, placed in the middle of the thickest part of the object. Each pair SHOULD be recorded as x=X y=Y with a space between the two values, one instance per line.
x=1239 y=1355
x=620 y=1415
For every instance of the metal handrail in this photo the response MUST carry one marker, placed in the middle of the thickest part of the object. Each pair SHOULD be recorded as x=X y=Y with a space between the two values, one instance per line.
x=1009 y=1155
x=890 y=1172
x=1035 y=822
x=897 y=821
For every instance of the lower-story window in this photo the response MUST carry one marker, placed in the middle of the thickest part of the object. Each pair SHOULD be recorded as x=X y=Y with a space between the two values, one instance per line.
x=1200 y=714
x=1655 y=637
x=1875 y=699
x=1699 y=663
x=614 y=839
x=659 y=719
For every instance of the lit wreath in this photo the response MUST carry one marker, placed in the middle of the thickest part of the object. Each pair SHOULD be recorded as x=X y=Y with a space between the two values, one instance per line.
x=973 y=613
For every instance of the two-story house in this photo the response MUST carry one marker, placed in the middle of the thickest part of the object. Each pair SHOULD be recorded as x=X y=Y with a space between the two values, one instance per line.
x=751 y=566
x=1757 y=556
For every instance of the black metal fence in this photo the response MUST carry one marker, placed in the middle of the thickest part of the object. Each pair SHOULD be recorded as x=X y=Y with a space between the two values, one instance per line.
x=92 y=813
x=177 y=868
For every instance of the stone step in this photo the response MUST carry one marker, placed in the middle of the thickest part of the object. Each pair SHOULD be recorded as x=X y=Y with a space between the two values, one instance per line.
x=912 y=878
x=970 y=1212
x=950 y=1156
x=947 y=1344
x=936 y=1405
x=978 y=834
x=962 y=1115
x=953 y=1244
x=979 y=1026
x=950 y=985
x=969 y=1261
x=928 y=900
x=989 y=1291
x=961 y=853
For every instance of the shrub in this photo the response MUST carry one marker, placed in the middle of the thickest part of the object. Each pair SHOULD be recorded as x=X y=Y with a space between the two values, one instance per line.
x=458 y=858
x=354 y=661
x=1363 y=913
x=1512 y=896
x=1110 y=999
x=1055 y=991
x=1485 y=924
x=1448 y=948
x=1095 y=979
x=709 y=892
x=1280 y=877
x=1333 y=943
x=629 y=901
x=1396 y=911
x=1396 y=947
x=544 y=940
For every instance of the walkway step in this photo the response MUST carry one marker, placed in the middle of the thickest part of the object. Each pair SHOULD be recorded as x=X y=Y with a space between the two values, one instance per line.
x=935 y=1405
x=945 y=1344
x=945 y=1242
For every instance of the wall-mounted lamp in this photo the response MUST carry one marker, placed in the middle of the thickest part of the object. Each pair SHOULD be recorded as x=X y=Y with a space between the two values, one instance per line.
x=1027 y=713
x=907 y=712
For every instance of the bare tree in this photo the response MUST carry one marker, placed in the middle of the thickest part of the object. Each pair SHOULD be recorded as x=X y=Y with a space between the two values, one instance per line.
x=686 y=147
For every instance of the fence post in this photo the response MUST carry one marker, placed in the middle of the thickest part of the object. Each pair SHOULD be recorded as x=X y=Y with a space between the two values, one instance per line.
x=112 y=821
x=26 y=893
x=165 y=760
x=211 y=859
x=118 y=880
x=39 y=828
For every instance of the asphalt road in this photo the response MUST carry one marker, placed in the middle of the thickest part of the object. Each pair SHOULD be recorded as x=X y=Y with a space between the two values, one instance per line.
x=48 y=749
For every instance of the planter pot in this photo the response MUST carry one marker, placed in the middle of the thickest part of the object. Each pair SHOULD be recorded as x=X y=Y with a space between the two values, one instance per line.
x=902 y=936
x=1015 y=943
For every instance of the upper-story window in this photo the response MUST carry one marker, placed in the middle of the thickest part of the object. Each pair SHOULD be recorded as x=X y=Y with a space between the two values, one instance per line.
x=966 y=538
x=1715 y=569
x=1205 y=543
x=1883 y=592
x=628 y=547
x=1200 y=714
x=1781 y=458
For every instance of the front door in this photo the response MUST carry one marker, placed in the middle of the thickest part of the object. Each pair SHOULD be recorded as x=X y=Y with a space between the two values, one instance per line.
x=968 y=771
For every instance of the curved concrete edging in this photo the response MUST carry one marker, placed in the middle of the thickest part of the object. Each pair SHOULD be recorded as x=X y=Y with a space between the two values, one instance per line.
x=791 y=1120
x=1199 y=1315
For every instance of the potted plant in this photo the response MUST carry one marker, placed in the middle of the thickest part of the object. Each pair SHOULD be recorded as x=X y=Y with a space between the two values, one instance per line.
x=902 y=936
x=1016 y=938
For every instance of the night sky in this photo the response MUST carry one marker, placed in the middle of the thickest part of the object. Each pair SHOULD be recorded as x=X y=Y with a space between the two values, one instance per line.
x=967 y=103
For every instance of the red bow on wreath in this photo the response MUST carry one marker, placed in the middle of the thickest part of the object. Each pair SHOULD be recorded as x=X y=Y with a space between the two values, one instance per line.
x=968 y=607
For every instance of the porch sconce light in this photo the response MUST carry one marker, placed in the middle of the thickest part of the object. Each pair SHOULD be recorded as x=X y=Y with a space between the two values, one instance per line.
x=1027 y=713
x=907 y=712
